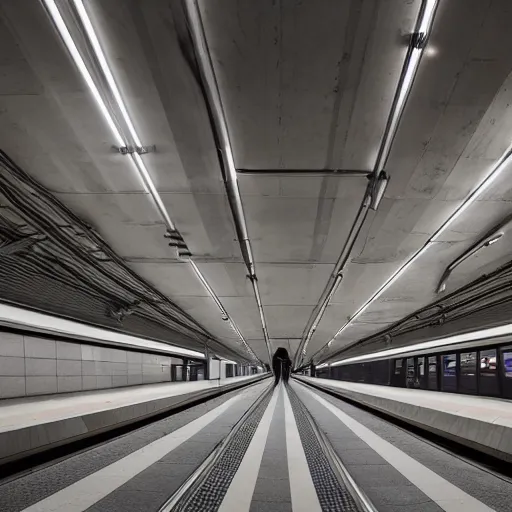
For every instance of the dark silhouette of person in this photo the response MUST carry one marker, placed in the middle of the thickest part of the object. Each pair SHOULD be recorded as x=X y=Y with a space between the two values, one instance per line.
x=281 y=365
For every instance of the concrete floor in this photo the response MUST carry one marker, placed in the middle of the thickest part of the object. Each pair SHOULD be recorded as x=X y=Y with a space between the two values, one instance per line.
x=139 y=471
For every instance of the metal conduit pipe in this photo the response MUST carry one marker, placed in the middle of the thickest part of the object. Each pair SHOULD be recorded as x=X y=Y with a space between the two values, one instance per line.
x=230 y=178
x=335 y=278
x=415 y=49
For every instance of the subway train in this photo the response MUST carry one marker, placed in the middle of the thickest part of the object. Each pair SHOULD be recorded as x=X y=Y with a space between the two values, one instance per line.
x=476 y=369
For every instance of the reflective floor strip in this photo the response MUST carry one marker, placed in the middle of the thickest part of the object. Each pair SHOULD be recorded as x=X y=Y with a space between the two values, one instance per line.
x=447 y=496
x=302 y=489
x=86 y=492
x=239 y=495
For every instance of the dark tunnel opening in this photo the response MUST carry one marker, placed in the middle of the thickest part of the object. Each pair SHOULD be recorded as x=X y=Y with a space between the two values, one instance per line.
x=281 y=365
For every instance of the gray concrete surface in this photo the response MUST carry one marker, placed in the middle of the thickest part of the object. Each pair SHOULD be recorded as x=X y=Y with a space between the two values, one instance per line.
x=93 y=416
x=32 y=365
x=382 y=483
x=483 y=423
x=18 y=494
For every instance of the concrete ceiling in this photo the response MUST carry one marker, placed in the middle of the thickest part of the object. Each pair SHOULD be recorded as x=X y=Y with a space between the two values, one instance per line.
x=305 y=86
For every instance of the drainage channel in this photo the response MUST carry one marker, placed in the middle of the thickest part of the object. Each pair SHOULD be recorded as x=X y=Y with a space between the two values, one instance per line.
x=205 y=489
x=208 y=486
x=336 y=489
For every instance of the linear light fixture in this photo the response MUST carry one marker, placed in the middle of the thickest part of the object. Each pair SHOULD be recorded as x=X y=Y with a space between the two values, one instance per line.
x=39 y=322
x=80 y=64
x=498 y=168
x=419 y=39
x=139 y=165
x=135 y=157
x=410 y=67
x=231 y=180
x=225 y=315
x=491 y=332
x=203 y=280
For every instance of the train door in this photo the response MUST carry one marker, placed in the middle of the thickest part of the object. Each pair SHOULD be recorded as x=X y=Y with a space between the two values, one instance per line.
x=468 y=373
x=488 y=383
x=411 y=373
x=398 y=377
x=449 y=372
x=506 y=371
x=432 y=379
x=421 y=372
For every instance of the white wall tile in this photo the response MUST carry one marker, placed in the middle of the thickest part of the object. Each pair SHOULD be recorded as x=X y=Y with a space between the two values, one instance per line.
x=134 y=369
x=89 y=382
x=41 y=385
x=119 y=380
x=11 y=387
x=11 y=344
x=12 y=366
x=40 y=347
x=135 y=379
x=151 y=369
x=119 y=368
x=150 y=358
x=40 y=367
x=69 y=368
x=134 y=357
x=119 y=356
x=69 y=384
x=89 y=369
x=103 y=381
x=87 y=352
x=67 y=350
x=103 y=368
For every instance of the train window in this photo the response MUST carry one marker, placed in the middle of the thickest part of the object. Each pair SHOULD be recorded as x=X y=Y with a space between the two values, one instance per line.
x=450 y=365
x=398 y=366
x=432 y=365
x=468 y=363
x=507 y=362
x=421 y=366
x=488 y=363
x=410 y=367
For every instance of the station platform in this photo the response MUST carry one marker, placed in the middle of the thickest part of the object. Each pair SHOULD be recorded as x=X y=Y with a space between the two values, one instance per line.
x=285 y=448
x=30 y=425
x=484 y=423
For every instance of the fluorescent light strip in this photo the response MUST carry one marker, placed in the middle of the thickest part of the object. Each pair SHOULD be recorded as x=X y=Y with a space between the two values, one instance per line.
x=84 y=17
x=484 y=185
x=212 y=89
x=220 y=306
x=428 y=16
x=423 y=27
x=209 y=289
x=25 y=318
x=80 y=64
x=138 y=162
x=143 y=173
x=425 y=24
x=492 y=332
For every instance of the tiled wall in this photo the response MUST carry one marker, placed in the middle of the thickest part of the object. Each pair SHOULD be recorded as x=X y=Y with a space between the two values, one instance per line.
x=34 y=366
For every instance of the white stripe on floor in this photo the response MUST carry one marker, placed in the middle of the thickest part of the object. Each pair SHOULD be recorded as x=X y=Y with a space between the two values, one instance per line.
x=241 y=489
x=448 y=496
x=86 y=492
x=302 y=489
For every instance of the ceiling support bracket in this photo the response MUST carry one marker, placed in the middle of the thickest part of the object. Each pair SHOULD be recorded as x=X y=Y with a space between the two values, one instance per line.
x=130 y=150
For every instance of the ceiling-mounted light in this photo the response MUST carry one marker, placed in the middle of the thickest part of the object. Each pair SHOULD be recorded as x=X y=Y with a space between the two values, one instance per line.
x=231 y=180
x=40 y=322
x=412 y=61
x=378 y=190
x=493 y=240
x=483 y=334
x=80 y=64
x=489 y=239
